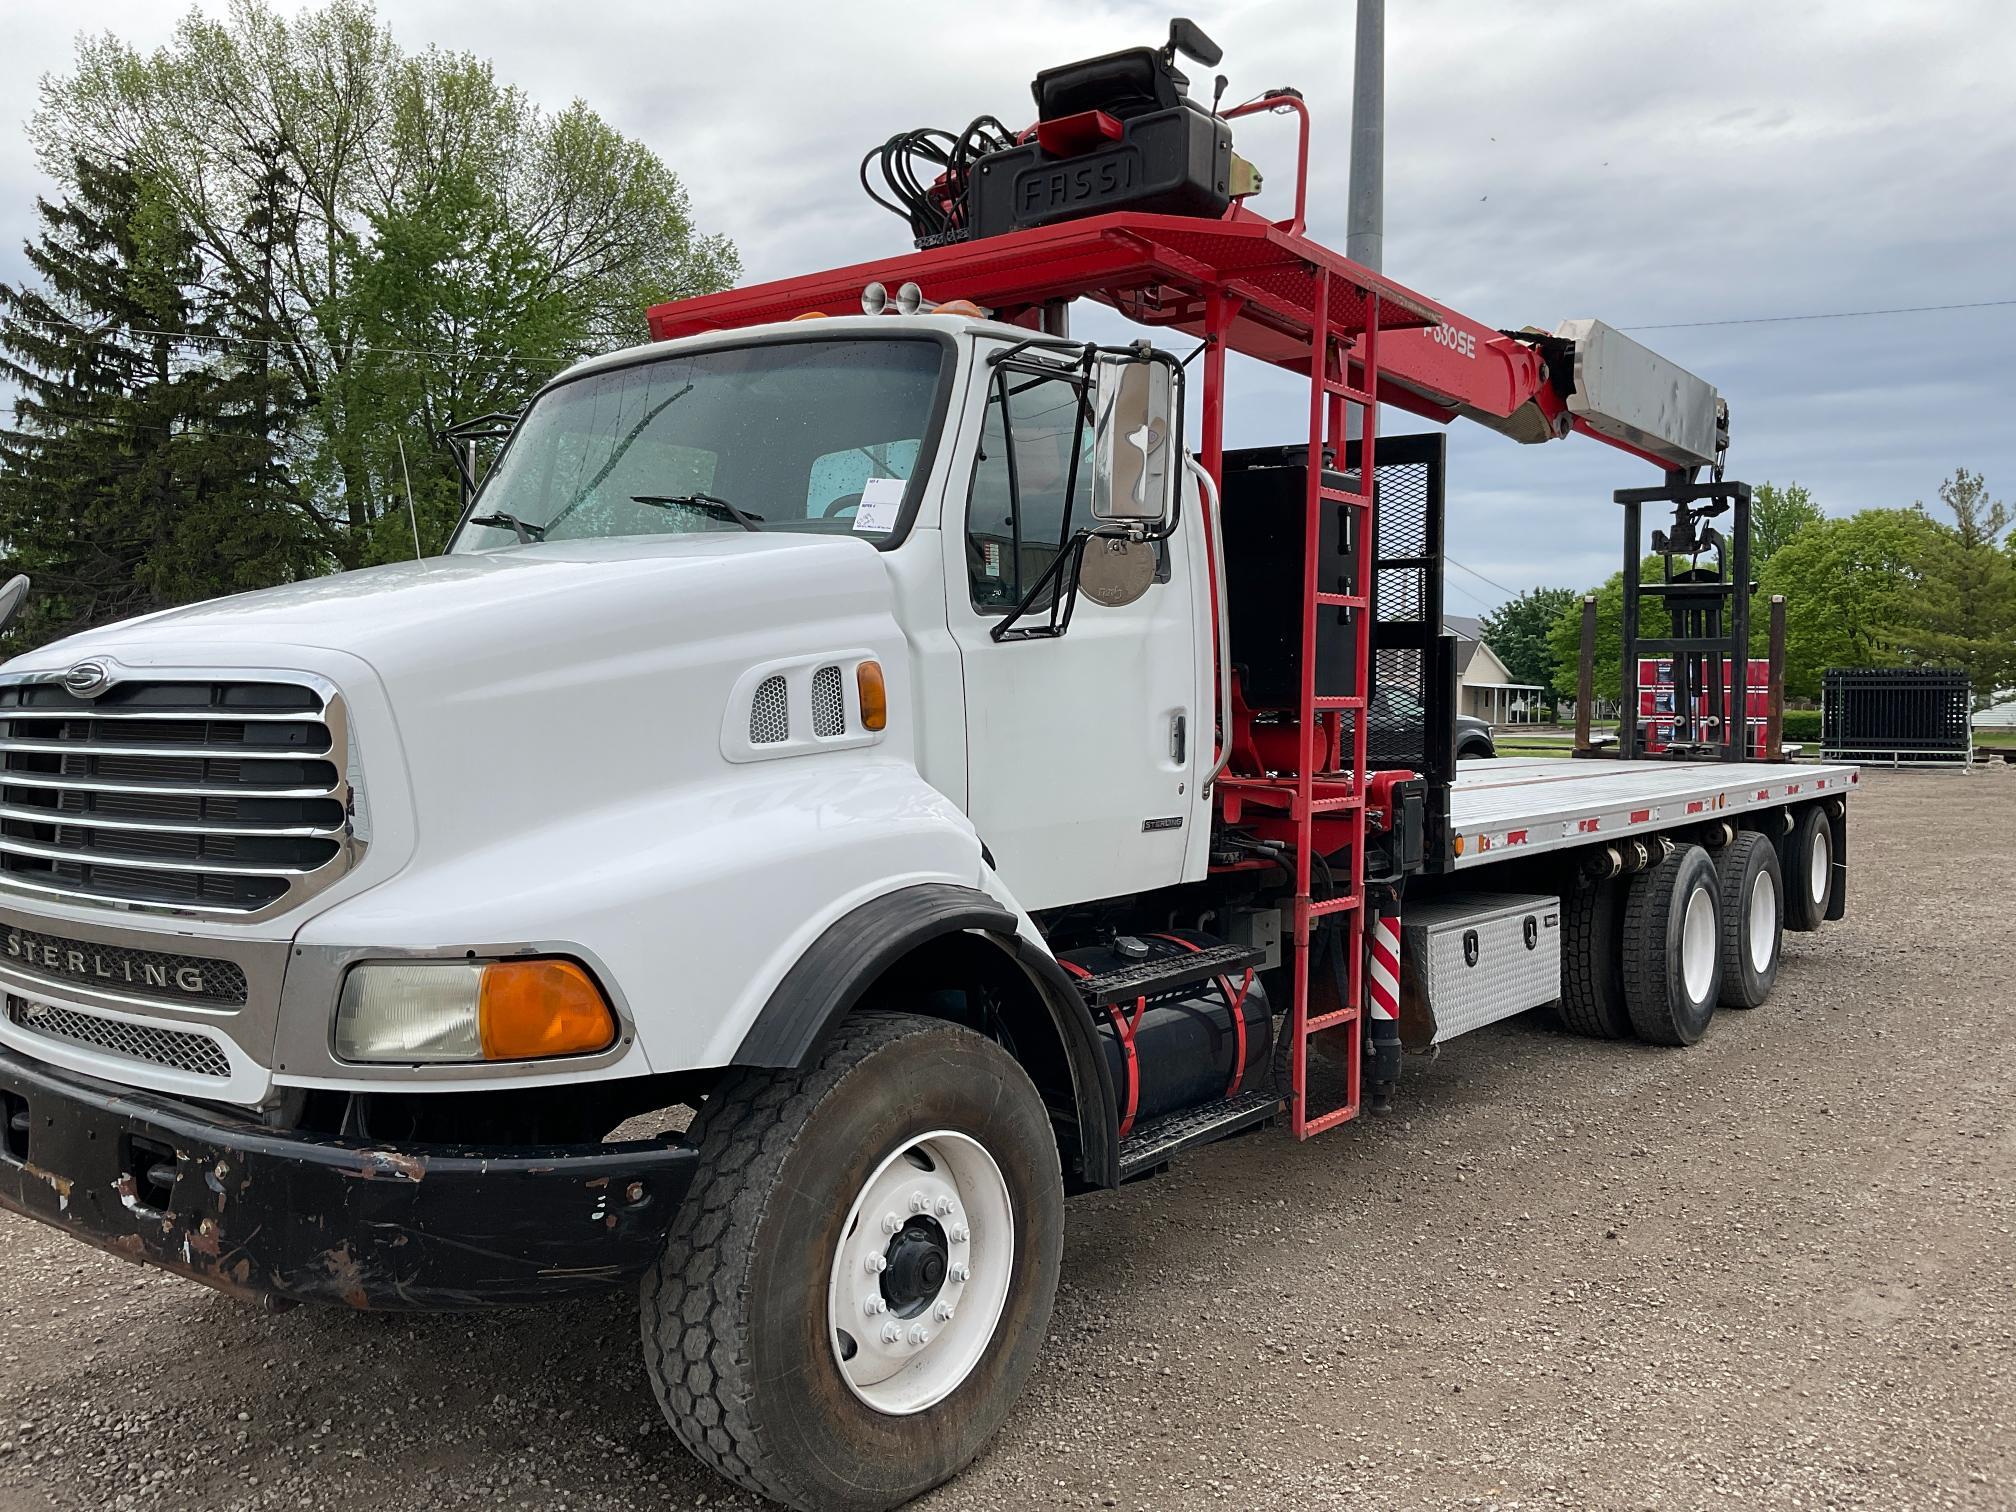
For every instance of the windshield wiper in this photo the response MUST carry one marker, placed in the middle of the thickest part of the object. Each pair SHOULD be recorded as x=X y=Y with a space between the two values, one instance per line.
x=525 y=530
x=712 y=505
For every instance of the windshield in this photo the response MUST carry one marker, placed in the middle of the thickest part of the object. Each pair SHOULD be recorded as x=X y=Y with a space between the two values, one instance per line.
x=820 y=436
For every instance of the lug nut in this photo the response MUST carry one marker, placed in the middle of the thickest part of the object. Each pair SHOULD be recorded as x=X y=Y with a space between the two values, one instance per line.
x=919 y=1203
x=874 y=1307
x=920 y=1335
x=961 y=1273
x=947 y=1207
x=877 y=1264
x=958 y=1235
x=943 y=1312
x=891 y=1334
x=891 y=1223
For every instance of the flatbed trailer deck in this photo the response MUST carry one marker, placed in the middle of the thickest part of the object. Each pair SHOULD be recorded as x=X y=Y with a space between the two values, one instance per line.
x=1527 y=805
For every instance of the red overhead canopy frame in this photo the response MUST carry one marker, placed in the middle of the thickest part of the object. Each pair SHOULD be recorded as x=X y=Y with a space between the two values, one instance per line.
x=1245 y=280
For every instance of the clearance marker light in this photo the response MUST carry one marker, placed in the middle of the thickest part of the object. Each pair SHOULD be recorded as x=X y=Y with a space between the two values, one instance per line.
x=874 y=695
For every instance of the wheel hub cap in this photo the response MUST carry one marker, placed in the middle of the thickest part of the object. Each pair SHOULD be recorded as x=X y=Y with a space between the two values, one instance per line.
x=1697 y=944
x=1763 y=923
x=917 y=1267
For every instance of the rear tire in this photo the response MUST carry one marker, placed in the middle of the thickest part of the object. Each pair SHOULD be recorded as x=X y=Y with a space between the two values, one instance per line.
x=1753 y=894
x=1809 y=869
x=1592 y=960
x=1672 y=948
x=760 y=1290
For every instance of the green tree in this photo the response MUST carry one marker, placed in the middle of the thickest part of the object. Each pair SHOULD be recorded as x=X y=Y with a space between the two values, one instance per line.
x=1966 y=614
x=1776 y=516
x=1853 y=588
x=316 y=129
x=1564 y=636
x=126 y=483
x=1520 y=632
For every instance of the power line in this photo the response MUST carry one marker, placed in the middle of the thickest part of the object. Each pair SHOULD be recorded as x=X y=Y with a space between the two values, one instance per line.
x=1480 y=577
x=1470 y=594
x=1686 y=325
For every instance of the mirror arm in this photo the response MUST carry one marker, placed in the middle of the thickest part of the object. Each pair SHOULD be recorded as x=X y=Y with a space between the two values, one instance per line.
x=1073 y=553
x=1067 y=559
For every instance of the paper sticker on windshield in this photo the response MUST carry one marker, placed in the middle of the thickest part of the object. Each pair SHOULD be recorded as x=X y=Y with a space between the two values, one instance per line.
x=881 y=504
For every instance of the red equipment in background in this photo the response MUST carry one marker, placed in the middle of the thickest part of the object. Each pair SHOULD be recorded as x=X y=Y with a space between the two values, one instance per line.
x=1656 y=710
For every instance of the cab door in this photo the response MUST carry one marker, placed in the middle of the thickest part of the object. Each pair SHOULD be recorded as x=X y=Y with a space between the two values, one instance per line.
x=1082 y=749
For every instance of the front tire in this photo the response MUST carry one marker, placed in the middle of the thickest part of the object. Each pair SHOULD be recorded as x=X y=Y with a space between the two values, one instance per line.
x=764 y=1343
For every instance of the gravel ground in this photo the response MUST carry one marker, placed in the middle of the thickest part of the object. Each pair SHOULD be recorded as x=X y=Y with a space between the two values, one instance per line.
x=1777 y=1269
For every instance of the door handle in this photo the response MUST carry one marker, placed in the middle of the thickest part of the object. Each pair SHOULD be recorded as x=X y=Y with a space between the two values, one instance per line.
x=1179 y=737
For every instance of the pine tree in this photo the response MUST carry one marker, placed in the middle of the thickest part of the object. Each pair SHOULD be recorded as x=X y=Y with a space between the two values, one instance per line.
x=1965 y=612
x=122 y=487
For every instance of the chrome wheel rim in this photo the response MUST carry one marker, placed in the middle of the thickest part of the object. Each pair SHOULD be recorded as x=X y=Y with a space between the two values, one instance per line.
x=920 y=1275
x=1763 y=923
x=1697 y=944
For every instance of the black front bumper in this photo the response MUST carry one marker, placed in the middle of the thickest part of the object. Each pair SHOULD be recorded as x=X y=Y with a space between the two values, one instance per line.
x=262 y=1212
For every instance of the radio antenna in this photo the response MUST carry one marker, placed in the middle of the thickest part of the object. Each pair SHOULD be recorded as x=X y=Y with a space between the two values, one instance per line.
x=412 y=515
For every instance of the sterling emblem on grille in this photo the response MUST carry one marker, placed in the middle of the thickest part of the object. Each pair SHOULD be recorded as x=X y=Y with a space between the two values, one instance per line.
x=88 y=679
x=171 y=977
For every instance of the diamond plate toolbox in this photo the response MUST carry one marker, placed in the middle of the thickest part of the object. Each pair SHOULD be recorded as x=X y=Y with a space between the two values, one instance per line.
x=1481 y=957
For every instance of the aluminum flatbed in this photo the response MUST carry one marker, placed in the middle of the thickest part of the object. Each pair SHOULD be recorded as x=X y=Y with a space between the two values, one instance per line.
x=1527 y=804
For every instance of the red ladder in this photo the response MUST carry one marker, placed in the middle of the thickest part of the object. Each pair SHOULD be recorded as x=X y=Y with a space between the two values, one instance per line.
x=1329 y=393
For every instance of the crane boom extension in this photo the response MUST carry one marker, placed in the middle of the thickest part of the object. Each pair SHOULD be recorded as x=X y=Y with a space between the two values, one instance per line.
x=1167 y=270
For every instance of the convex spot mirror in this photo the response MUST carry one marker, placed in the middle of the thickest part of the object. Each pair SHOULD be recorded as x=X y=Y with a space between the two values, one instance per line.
x=12 y=596
x=1135 y=426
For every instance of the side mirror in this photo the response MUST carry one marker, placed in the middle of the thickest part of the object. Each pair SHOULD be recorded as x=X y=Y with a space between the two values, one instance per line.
x=1135 y=440
x=1187 y=37
x=13 y=594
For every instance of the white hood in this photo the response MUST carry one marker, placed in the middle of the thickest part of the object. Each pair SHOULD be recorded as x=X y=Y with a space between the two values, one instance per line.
x=516 y=688
x=512 y=602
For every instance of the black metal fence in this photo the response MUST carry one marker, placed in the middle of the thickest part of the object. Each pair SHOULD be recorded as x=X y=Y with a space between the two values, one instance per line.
x=1900 y=715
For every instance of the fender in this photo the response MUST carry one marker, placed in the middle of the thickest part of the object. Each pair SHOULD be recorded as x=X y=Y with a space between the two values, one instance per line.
x=836 y=971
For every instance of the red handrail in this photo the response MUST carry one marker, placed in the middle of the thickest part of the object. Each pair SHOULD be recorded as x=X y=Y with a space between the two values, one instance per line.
x=1274 y=104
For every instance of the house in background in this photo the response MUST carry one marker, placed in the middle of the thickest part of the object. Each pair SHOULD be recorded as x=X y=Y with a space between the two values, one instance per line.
x=1484 y=688
x=1999 y=718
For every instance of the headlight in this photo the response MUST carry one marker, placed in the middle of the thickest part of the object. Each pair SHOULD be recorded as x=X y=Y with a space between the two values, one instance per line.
x=471 y=1011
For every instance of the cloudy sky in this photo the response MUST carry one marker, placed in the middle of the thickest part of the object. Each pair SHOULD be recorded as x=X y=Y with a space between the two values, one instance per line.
x=1690 y=164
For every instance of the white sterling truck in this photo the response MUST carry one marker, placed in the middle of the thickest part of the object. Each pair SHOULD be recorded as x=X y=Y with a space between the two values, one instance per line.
x=854 y=780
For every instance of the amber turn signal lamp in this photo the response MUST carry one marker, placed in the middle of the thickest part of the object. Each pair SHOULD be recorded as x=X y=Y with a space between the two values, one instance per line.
x=529 y=1009
x=874 y=695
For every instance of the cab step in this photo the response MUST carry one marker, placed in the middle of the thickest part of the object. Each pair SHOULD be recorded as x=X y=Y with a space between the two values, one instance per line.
x=1166 y=973
x=1159 y=1142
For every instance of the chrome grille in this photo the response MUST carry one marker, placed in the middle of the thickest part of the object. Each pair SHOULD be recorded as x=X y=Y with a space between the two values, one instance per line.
x=210 y=795
x=179 y=1050
x=829 y=703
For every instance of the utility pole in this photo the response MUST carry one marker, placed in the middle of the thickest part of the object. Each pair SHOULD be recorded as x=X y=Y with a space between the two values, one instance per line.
x=1365 y=225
